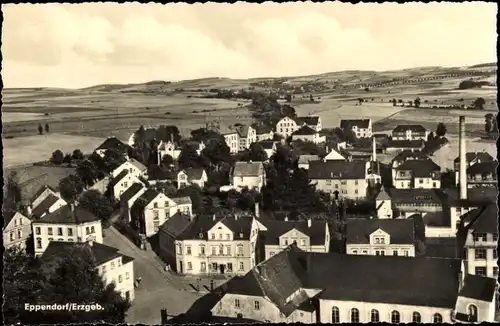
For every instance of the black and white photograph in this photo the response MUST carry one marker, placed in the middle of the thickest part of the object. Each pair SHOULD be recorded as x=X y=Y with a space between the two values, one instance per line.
x=245 y=163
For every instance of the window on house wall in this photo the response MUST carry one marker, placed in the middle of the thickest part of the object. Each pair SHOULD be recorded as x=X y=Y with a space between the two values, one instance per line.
x=51 y=239
x=203 y=267
x=59 y=231
x=12 y=237
x=365 y=252
x=437 y=318
x=472 y=312
x=189 y=266
x=236 y=303
x=112 y=265
x=240 y=250
x=213 y=236
x=395 y=253
x=87 y=230
x=374 y=316
x=188 y=250
x=335 y=315
x=156 y=226
x=480 y=253
x=495 y=236
x=354 y=315
x=228 y=236
x=228 y=250
x=242 y=266
x=202 y=250
x=479 y=236
x=70 y=232
x=221 y=250
x=179 y=249
x=495 y=271
x=395 y=317
x=127 y=275
x=155 y=205
x=120 y=279
x=256 y=305
x=156 y=215
x=39 y=243
x=406 y=253
x=480 y=271
x=354 y=252
x=19 y=234
x=214 y=251
x=38 y=231
x=49 y=230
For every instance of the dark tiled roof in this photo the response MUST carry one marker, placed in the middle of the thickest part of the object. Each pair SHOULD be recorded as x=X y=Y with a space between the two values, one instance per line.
x=194 y=173
x=146 y=198
x=64 y=215
x=41 y=190
x=481 y=156
x=337 y=169
x=408 y=196
x=478 y=287
x=248 y=169
x=262 y=129
x=486 y=220
x=442 y=247
x=44 y=205
x=420 y=168
x=275 y=229
x=203 y=223
x=245 y=285
x=304 y=159
x=113 y=182
x=360 y=123
x=359 y=278
x=475 y=196
x=113 y=143
x=401 y=231
x=176 y=224
x=413 y=128
x=304 y=131
x=267 y=144
x=437 y=219
x=100 y=252
x=405 y=155
x=242 y=130
x=137 y=164
x=131 y=192
x=406 y=143
x=310 y=120
x=483 y=168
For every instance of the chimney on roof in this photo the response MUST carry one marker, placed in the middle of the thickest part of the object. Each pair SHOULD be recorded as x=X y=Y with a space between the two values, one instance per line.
x=257 y=209
x=213 y=217
x=309 y=222
x=327 y=149
x=236 y=215
x=463 y=161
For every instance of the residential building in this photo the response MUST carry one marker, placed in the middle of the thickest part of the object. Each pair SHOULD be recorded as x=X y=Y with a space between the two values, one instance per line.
x=297 y=286
x=417 y=174
x=211 y=244
x=68 y=223
x=410 y=132
x=404 y=156
x=482 y=174
x=411 y=201
x=49 y=204
x=122 y=182
x=263 y=133
x=270 y=147
x=340 y=178
x=128 y=198
x=405 y=145
x=111 y=265
x=313 y=236
x=191 y=176
x=306 y=133
x=249 y=174
x=168 y=148
x=481 y=241
x=233 y=141
x=304 y=160
x=334 y=155
x=362 y=128
x=472 y=158
x=16 y=229
x=151 y=209
x=246 y=136
x=112 y=143
x=287 y=126
x=383 y=204
x=382 y=237
x=171 y=230
x=133 y=167
x=41 y=194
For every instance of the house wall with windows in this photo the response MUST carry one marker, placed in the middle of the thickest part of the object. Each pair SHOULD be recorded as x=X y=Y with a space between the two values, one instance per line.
x=381 y=249
x=120 y=273
x=485 y=311
x=232 y=141
x=133 y=171
x=43 y=233
x=157 y=212
x=337 y=311
x=481 y=254
x=124 y=184
x=250 y=181
x=353 y=189
x=17 y=231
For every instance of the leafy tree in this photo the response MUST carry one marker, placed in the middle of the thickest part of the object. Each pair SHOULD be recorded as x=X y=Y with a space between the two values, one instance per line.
x=448 y=179
x=360 y=100
x=417 y=102
x=47 y=128
x=479 y=103
x=440 y=130
x=57 y=157
x=68 y=158
x=205 y=135
x=12 y=195
x=167 y=161
x=307 y=148
x=70 y=187
x=189 y=158
x=156 y=172
x=194 y=192
x=87 y=172
x=99 y=164
x=217 y=151
x=255 y=153
x=410 y=103
x=288 y=97
x=394 y=102
x=77 y=154
x=96 y=203
x=40 y=129
x=169 y=133
x=113 y=159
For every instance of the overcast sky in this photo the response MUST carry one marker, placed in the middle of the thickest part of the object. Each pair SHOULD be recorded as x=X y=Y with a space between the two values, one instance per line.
x=81 y=45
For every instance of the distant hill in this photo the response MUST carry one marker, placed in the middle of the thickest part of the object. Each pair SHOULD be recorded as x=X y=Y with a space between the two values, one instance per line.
x=485 y=65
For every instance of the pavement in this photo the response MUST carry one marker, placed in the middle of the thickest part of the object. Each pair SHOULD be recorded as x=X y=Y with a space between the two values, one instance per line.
x=158 y=288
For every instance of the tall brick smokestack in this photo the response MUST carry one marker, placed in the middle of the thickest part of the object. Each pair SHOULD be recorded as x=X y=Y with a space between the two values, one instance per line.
x=463 y=161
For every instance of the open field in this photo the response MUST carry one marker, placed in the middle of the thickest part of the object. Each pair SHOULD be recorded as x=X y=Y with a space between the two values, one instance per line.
x=25 y=150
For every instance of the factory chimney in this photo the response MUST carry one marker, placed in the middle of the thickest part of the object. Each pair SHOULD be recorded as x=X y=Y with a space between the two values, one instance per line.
x=462 y=157
x=374 y=150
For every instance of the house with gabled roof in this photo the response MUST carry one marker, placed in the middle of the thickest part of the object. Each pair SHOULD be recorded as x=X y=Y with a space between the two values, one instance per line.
x=133 y=167
x=362 y=128
x=306 y=133
x=410 y=132
x=304 y=160
x=383 y=237
x=270 y=147
x=152 y=208
x=483 y=174
x=248 y=174
x=112 y=143
x=128 y=198
x=49 y=204
x=334 y=155
x=68 y=223
x=287 y=125
x=120 y=183
x=298 y=286
x=263 y=132
x=16 y=229
x=112 y=266
x=191 y=176
x=246 y=136
x=417 y=174
x=168 y=148
x=41 y=194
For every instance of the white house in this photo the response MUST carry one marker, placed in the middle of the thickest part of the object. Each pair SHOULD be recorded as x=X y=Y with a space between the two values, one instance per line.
x=133 y=167
x=49 y=204
x=263 y=133
x=122 y=182
x=16 y=229
x=246 y=136
x=68 y=223
x=287 y=126
x=410 y=132
x=306 y=133
x=334 y=155
x=190 y=176
x=249 y=174
x=41 y=194
x=417 y=174
x=233 y=141
x=167 y=148
x=128 y=198
x=112 y=143
x=270 y=147
x=304 y=160
x=362 y=128
x=111 y=265
x=383 y=237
